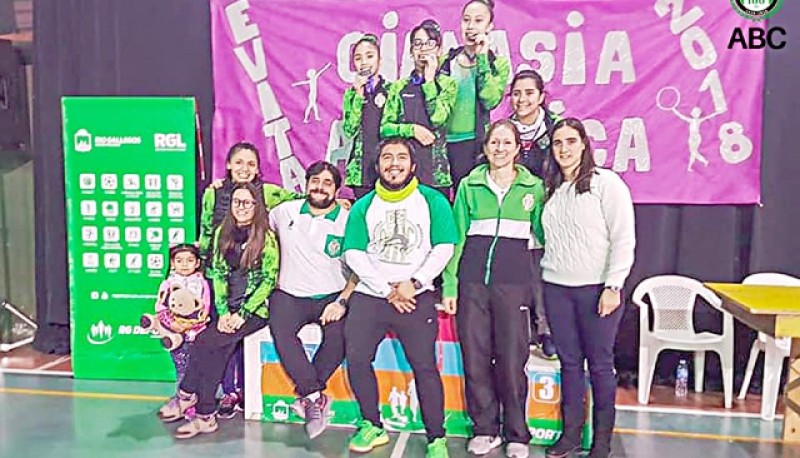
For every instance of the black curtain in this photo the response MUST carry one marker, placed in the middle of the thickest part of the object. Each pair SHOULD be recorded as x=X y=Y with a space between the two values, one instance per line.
x=157 y=47
x=102 y=47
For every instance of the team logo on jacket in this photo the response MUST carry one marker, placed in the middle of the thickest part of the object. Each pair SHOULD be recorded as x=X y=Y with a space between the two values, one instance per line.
x=333 y=245
x=527 y=202
x=395 y=238
x=380 y=100
x=544 y=142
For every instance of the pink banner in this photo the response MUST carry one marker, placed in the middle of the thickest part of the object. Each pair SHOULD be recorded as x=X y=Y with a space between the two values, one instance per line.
x=667 y=105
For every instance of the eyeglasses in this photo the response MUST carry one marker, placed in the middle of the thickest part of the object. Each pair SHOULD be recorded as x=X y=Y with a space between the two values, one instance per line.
x=424 y=44
x=246 y=204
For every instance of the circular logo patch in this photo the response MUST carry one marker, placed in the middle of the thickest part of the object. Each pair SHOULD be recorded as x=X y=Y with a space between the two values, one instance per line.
x=757 y=10
x=380 y=100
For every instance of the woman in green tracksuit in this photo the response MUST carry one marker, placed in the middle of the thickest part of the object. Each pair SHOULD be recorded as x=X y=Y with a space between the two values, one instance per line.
x=498 y=210
x=419 y=106
x=362 y=111
x=481 y=77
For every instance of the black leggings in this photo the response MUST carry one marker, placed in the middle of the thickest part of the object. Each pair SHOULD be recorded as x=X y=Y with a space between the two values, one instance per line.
x=208 y=358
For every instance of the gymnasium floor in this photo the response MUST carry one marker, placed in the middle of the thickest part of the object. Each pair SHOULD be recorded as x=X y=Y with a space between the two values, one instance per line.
x=47 y=416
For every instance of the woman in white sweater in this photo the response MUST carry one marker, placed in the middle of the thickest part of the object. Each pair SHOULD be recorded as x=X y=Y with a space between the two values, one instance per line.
x=589 y=243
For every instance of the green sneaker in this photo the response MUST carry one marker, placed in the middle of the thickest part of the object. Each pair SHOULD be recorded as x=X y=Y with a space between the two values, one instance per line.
x=437 y=449
x=368 y=437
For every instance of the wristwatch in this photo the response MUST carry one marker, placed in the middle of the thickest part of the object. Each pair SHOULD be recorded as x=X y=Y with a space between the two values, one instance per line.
x=417 y=284
x=342 y=301
x=616 y=289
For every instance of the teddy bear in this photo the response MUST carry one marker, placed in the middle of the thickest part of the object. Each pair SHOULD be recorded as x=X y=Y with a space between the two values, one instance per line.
x=182 y=315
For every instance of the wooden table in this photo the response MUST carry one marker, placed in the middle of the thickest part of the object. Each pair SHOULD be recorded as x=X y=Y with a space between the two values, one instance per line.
x=773 y=310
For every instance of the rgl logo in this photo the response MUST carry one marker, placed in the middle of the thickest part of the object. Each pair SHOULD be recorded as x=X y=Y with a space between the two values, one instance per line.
x=169 y=142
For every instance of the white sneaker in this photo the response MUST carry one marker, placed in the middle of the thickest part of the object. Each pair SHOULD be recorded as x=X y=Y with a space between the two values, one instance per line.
x=517 y=450
x=481 y=445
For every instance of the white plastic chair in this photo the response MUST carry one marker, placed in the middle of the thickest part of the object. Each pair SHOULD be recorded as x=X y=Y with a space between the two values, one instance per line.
x=672 y=298
x=775 y=350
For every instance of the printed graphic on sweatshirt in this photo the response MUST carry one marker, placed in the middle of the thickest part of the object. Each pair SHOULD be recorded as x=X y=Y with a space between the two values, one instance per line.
x=395 y=238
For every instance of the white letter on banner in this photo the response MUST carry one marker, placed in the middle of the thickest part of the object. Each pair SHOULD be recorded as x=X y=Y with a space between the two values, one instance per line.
x=406 y=61
x=343 y=56
x=292 y=173
x=238 y=20
x=389 y=46
x=270 y=110
x=597 y=132
x=257 y=70
x=616 y=57
x=708 y=54
x=632 y=144
x=574 y=71
x=679 y=21
x=528 y=50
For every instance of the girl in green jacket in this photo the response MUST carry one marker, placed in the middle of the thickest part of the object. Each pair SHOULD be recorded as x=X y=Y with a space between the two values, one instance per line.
x=498 y=210
x=244 y=271
x=419 y=106
x=362 y=111
x=481 y=77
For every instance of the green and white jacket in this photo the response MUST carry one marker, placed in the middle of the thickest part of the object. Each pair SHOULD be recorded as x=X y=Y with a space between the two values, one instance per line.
x=494 y=232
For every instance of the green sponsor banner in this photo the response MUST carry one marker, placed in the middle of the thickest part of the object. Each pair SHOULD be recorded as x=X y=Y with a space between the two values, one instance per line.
x=129 y=166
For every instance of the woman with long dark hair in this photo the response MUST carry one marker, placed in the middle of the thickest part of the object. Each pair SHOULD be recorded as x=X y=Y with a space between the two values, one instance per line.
x=244 y=270
x=589 y=232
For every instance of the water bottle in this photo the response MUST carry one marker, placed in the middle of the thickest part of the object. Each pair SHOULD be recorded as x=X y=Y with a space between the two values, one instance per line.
x=682 y=379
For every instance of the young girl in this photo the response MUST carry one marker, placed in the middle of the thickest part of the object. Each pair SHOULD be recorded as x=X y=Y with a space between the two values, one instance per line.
x=244 y=270
x=363 y=109
x=535 y=125
x=497 y=210
x=481 y=77
x=184 y=261
x=419 y=106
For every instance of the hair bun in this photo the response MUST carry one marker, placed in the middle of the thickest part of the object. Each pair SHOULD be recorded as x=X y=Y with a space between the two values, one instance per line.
x=431 y=23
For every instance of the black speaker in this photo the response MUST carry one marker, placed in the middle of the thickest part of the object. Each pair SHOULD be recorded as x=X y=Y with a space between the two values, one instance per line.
x=14 y=122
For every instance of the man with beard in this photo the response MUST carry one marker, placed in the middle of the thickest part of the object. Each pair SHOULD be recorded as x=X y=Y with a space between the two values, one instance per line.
x=312 y=288
x=399 y=237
